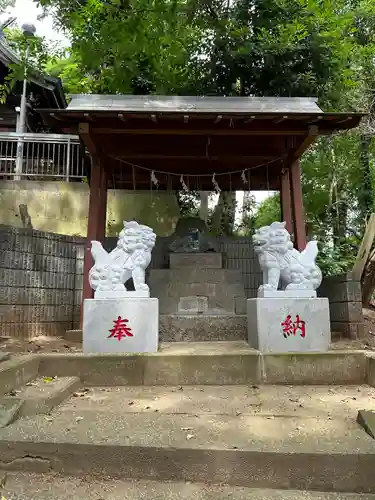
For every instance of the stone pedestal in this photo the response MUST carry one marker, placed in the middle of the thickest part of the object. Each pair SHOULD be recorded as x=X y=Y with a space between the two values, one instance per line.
x=120 y=325
x=209 y=260
x=289 y=324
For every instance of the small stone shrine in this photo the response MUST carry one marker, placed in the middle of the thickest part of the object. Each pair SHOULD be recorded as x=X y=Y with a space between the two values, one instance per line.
x=199 y=299
x=117 y=320
x=292 y=318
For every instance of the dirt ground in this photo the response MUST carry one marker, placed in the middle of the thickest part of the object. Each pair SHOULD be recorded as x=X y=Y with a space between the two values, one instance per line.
x=58 y=344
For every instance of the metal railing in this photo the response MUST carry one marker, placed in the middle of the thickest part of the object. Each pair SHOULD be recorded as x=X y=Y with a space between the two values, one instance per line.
x=44 y=157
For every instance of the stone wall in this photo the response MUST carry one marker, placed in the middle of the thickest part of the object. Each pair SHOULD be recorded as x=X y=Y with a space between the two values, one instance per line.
x=62 y=207
x=37 y=282
x=345 y=299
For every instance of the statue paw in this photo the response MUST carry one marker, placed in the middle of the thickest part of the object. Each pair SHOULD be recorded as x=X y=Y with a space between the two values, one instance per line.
x=143 y=287
x=267 y=286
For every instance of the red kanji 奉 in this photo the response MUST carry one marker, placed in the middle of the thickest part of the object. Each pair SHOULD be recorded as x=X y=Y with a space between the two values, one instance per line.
x=120 y=329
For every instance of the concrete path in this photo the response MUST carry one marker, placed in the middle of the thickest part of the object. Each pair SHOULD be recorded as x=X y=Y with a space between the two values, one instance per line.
x=53 y=487
x=266 y=437
x=263 y=400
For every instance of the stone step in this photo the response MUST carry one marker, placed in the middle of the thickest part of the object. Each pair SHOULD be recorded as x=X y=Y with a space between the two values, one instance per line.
x=4 y=356
x=202 y=327
x=17 y=371
x=219 y=297
x=258 y=400
x=304 y=453
x=194 y=275
x=43 y=394
x=211 y=363
x=24 y=486
x=36 y=397
x=195 y=259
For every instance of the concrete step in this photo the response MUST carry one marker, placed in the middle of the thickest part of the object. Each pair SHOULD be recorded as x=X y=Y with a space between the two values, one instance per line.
x=54 y=487
x=4 y=356
x=36 y=397
x=220 y=297
x=211 y=363
x=263 y=400
x=194 y=275
x=304 y=453
x=17 y=371
x=43 y=394
x=202 y=327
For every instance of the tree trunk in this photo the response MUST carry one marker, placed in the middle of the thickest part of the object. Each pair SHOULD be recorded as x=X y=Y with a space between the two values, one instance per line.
x=224 y=214
x=368 y=280
x=365 y=195
x=203 y=210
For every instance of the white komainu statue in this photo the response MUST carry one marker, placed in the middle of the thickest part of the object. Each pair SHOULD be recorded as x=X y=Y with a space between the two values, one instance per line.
x=129 y=259
x=281 y=262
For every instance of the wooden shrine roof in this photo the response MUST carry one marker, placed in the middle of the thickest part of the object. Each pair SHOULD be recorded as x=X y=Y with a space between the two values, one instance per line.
x=197 y=137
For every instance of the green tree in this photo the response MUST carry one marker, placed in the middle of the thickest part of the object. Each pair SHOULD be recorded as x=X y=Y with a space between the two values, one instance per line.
x=268 y=211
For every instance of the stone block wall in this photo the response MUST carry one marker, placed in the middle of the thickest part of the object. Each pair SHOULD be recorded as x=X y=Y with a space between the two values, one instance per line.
x=345 y=301
x=37 y=282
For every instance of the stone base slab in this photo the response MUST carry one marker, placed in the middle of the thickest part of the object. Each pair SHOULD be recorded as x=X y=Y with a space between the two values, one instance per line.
x=121 y=294
x=202 y=327
x=128 y=325
x=286 y=294
x=209 y=260
x=289 y=324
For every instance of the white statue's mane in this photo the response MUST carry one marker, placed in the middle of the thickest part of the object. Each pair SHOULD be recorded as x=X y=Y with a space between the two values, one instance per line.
x=283 y=264
x=129 y=259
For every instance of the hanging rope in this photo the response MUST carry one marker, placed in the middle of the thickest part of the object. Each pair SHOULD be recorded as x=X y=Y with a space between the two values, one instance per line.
x=230 y=172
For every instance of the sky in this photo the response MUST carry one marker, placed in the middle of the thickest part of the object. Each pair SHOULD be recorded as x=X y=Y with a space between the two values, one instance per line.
x=26 y=11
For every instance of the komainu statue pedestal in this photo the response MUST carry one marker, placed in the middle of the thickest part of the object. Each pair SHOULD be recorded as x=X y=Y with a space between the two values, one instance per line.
x=290 y=319
x=288 y=324
x=123 y=325
x=118 y=320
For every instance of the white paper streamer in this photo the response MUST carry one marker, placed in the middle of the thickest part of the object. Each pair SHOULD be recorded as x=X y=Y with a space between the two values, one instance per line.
x=216 y=185
x=243 y=177
x=184 y=186
x=154 y=179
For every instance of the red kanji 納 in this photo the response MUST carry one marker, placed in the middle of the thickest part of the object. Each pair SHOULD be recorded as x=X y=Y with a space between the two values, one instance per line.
x=290 y=327
x=120 y=329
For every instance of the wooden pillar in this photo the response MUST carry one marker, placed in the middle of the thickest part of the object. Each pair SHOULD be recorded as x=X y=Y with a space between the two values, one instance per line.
x=285 y=200
x=97 y=218
x=297 y=206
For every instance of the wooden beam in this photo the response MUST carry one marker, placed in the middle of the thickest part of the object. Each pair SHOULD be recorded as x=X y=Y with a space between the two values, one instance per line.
x=280 y=119
x=207 y=132
x=218 y=158
x=308 y=140
x=84 y=131
x=56 y=117
x=286 y=200
x=249 y=120
x=96 y=218
x=364 y=249
x=297 y=206
x=316 y=120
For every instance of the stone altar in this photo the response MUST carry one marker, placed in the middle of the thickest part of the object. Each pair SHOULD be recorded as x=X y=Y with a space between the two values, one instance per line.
x=287 y=316
x=199 y=299
x=116 y=319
